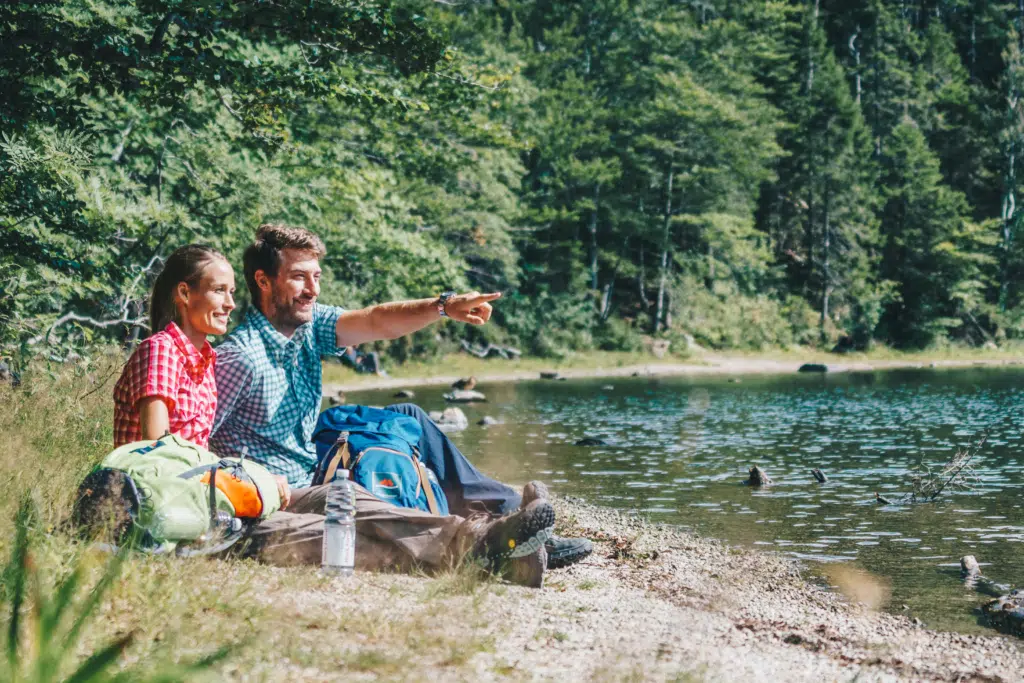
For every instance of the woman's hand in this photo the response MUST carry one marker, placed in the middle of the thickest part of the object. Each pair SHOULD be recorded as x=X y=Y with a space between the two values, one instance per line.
x=283 y=490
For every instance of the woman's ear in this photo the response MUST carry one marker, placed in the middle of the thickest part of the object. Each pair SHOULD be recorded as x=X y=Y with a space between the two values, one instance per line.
x=181 y=293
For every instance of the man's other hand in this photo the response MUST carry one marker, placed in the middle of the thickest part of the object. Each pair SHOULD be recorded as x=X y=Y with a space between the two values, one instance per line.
x=283 y=490
x=472 y=307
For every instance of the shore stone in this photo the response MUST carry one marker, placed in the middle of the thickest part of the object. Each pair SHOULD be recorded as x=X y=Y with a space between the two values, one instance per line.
x=405 y=393
x=464 y=396
x=813 y=367
x=1006 y=613
x=487 y=421
x=608 y=387
x=590 y=441
x=551 y=374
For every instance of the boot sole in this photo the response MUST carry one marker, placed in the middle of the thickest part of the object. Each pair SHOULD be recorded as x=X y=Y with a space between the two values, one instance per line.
x=533 y=531
x=567 y=559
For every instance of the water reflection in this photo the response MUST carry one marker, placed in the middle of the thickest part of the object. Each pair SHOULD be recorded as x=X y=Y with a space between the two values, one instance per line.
x=677 y=449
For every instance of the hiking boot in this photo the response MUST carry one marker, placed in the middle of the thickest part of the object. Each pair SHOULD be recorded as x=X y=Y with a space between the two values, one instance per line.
x=561 y=552
x=527 y=571
x=495 y=541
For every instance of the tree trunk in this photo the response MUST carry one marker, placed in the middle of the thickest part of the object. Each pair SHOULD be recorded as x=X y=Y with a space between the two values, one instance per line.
x=856 y=61
x=606 y=301
x=666 y=229
x=641 y=281
x=592 y=228
x=826 y=272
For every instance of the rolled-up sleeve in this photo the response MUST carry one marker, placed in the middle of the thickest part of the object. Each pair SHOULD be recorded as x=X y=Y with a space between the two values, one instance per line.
x=325 y=334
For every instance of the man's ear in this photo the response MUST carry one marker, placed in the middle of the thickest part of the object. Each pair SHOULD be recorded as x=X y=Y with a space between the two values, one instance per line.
x=262 y=280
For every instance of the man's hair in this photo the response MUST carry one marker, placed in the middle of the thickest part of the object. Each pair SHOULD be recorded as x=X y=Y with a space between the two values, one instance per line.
x=265 y=252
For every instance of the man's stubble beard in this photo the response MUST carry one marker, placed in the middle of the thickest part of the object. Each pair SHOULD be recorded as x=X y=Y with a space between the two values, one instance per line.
x=286 y=313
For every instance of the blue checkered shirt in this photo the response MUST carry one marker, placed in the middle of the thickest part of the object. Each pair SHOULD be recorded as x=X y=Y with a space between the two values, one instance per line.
x=269 y=389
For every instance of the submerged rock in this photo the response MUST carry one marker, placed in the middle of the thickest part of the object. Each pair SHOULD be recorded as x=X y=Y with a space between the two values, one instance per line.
x=608 y=387
x=405 y=393
x=487 y=421
x=450 y=419
x=464 y=396
x=590 y=441
x=551 y=374
x=1006 y=613
x=759 y=477
x=969 y=566
x=819 y=475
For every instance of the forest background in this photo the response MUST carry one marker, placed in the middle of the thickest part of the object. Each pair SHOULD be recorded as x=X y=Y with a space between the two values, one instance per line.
x=748 y=174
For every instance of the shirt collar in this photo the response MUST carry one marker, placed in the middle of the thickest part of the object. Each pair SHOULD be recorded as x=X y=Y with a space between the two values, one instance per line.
x=197 y=360
x=277 y=344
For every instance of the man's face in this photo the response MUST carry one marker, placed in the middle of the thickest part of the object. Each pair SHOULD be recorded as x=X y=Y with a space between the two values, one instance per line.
x=294 y=289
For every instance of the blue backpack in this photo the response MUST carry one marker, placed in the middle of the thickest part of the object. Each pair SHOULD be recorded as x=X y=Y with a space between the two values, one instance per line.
x=378 y=448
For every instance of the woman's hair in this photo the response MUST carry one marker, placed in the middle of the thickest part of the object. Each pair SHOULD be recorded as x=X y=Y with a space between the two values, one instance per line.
x=186 y=265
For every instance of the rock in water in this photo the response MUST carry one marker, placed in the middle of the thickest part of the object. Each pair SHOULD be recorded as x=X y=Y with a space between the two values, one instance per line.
x=759 y=477
x=450 y=419
x=1006 y=613
x=969 y=566
x=819 y=475
x=487 y=421
x=464 y=396
x=813 y=367
x=405 y=393
x=608 y=387
x=882 y=500
x=467 y=383
x=590 y=441
x=549 y=375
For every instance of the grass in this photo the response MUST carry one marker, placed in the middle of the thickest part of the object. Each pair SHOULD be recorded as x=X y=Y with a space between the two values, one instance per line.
x=281 y=624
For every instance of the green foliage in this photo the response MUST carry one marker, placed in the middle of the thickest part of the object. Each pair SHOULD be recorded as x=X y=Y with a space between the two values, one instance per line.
x=592 y=161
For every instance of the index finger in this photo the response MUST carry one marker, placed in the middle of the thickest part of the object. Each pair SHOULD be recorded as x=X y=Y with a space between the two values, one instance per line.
x=483 y=298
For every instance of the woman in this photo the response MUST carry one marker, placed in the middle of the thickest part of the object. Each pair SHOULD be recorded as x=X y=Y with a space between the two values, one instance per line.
x=168 y=385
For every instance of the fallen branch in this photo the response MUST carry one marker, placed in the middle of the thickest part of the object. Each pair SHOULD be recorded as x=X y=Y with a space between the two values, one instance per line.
x=506 y=352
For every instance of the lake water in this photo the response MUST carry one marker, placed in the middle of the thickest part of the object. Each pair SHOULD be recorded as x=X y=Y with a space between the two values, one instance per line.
x=678 y=449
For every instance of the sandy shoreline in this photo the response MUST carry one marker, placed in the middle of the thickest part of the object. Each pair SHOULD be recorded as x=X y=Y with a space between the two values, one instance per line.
x=658 y=603
x=709 y=365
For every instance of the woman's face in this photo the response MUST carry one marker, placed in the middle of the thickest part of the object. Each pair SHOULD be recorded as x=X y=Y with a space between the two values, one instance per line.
x=207 y=307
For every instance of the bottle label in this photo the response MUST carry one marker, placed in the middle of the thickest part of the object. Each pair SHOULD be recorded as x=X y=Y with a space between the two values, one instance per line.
x=339 y=550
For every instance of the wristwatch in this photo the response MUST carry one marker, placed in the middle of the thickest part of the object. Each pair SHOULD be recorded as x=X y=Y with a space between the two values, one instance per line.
x=442 y=301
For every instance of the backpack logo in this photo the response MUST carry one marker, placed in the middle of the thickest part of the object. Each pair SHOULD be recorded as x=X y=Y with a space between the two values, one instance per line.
x=384 y=486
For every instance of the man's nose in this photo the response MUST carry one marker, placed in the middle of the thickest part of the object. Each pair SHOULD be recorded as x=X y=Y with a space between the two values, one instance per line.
x=313 y=287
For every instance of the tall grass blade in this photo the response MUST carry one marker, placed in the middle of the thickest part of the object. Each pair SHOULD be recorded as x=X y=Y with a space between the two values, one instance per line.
x=18 y=570
x=99 y=661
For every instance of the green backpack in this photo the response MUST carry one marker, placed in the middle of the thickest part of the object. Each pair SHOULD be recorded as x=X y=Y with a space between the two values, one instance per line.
x=179 y=488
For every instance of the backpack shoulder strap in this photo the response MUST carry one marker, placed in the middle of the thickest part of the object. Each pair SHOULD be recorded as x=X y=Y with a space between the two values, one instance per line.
x=340 y=455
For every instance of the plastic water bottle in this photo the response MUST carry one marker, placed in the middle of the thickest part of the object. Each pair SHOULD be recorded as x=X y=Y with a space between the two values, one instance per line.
x=339 y=552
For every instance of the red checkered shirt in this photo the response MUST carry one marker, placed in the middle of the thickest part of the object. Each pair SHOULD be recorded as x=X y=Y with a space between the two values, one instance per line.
x=169 y=366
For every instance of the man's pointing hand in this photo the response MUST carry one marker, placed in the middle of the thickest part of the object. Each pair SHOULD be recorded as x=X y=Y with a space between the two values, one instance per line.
x=472 y=307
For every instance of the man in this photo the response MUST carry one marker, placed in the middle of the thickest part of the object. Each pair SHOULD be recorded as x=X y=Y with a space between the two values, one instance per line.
x=269 y=385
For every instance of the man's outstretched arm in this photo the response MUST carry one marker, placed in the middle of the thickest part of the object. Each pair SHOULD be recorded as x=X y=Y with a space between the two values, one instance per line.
x=399 y=318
